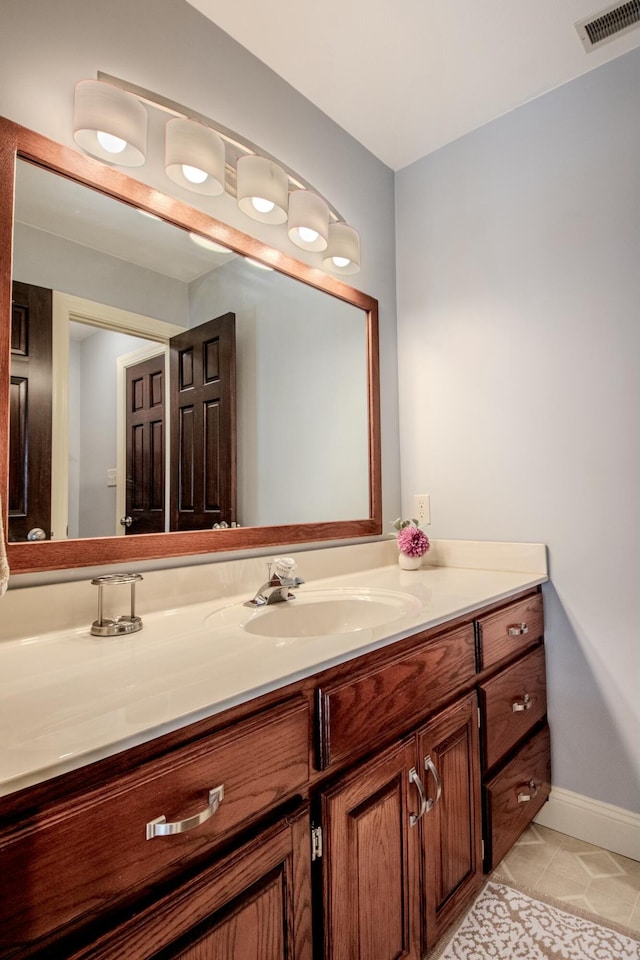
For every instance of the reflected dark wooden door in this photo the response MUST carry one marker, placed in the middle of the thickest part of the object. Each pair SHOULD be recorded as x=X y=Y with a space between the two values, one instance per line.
x=203 y=425
x=145 y=469
x=30 y=407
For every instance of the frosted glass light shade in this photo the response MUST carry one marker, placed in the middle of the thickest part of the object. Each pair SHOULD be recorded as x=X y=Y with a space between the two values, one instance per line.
x=194 y=156
x=343 y=250
x=308 y=220
x=109 y=123
x=260 y=179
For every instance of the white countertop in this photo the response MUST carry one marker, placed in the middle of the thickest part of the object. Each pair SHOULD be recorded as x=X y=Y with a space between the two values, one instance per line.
x=68 y=698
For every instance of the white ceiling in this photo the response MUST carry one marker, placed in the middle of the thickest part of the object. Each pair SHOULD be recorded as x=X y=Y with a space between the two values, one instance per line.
x=409 y=76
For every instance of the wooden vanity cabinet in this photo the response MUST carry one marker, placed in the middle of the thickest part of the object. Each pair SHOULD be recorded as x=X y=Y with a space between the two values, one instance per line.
x=371 y=860
x=451 y=831
x=72 y=861
x=253 y=903
x=402 y=831
x=368 y=703
x=384 y=750
x=516 y=755
x=402 y=841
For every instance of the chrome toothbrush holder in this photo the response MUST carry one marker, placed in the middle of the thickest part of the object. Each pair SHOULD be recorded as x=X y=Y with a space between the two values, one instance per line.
x=116 y=626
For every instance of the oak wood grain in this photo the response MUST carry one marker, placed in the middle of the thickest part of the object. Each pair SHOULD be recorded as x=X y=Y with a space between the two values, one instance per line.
x=77 y=858
x=452 y=829
x=495 y=641
x=371 y=867
x=241 y=907
x=522 y=684
x=389 y=699
x=506 y=818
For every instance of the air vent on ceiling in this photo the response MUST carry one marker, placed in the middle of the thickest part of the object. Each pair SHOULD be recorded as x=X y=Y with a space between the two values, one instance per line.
x=608 y=24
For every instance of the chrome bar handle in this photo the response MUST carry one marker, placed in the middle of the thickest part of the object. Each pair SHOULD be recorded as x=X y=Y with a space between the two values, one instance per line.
x=414 y=778
x=430 y=766
x=524 y=797
x=518 y=706
x=160 y=828
x=518 y=629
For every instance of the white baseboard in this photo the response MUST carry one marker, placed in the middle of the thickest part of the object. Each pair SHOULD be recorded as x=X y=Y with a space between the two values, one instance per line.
x=595 y=822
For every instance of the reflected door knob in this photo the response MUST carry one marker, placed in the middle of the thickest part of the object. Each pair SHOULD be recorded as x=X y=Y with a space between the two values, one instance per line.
x=126 y=521
x=36 y=533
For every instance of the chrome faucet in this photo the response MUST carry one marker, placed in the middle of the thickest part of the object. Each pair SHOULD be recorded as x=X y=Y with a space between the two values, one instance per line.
x=278 y=586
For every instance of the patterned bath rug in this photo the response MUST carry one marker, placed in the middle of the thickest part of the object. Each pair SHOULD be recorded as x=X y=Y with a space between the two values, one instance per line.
x=506 y=924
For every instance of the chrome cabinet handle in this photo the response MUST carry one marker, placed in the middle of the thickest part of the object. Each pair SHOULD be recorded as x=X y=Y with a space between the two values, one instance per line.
x=430 y=766
x=518 y=629
x=126 y=521
x=523 y=796
x=415 y=778
x=160 y=828
x=525 y=704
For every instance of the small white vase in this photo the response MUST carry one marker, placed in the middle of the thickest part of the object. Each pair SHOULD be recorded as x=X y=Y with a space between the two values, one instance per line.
x=409 y=563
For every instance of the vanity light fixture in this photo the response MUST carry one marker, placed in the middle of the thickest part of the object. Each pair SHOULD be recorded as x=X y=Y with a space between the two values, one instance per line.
x=308 y=220
x=110 y=122
x=262 y=189
x=194 y=156
x=343 y=250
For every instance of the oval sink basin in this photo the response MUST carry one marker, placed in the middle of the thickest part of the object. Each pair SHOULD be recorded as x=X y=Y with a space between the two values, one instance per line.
x=315 y=613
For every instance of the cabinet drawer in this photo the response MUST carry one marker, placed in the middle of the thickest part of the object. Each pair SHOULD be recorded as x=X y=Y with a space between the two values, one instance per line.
x=515 y=794
x=250 y=904
x=86 y=855
x=512 y=702
x=360 y=712
x=510 y=630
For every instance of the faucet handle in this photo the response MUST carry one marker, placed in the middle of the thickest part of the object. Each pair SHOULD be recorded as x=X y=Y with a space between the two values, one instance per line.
x=283 y=567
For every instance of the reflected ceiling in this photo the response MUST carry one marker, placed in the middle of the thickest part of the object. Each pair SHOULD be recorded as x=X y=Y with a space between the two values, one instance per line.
x=67 y=209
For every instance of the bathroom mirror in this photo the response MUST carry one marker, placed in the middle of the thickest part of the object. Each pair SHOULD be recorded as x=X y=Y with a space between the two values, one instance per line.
x=305 y=458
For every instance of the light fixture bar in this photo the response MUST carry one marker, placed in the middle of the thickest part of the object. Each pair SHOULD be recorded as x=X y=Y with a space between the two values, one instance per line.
x=239 y=145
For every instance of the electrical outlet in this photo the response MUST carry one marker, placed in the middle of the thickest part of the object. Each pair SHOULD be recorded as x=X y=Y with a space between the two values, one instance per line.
x=422 y=508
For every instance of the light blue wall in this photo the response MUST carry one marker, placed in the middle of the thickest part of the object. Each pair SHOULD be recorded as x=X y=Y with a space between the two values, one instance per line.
x=518 y=251
x=300 y=364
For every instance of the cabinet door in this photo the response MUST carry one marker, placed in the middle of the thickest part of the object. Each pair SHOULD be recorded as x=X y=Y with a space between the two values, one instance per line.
x=253 y=903
x=451 y=826
x=370 y=861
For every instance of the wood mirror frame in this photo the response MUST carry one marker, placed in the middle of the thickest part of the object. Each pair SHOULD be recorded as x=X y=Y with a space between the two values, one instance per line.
x=17 y=141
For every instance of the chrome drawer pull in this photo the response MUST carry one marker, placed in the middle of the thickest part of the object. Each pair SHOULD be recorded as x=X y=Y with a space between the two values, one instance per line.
x=526 y=797
x=160 y=828
x=518 y=629
x=525 y=704
x=414 y=778
x=431 y=767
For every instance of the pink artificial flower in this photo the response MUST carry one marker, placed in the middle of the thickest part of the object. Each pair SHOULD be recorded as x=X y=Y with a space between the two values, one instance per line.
x=413 y=542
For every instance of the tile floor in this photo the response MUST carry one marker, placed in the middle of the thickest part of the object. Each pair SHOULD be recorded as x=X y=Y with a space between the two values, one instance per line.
x=578 y=873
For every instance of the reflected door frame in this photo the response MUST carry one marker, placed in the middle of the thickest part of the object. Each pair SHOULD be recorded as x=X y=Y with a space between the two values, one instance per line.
x=66 y=309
